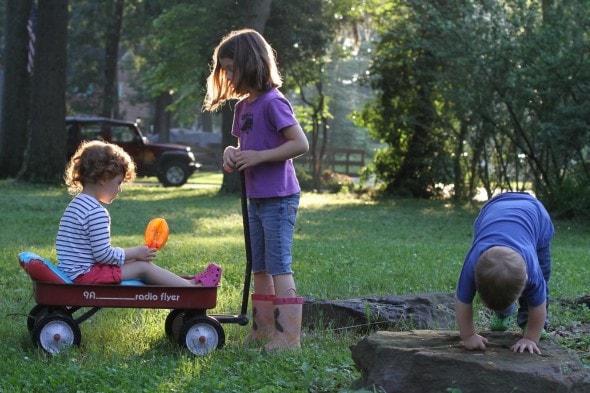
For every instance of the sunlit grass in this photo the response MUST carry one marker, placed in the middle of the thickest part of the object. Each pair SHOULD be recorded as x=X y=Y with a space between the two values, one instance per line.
x=345 y=247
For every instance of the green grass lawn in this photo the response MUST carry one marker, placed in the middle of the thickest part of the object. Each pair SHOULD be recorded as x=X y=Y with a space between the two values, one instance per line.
x=345 y=247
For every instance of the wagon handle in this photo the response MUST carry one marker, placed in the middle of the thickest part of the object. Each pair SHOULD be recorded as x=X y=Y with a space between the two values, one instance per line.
x=246 y=223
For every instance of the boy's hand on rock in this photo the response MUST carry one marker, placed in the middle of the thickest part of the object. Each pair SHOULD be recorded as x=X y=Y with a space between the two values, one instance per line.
x=475 y=341
x=526 y=344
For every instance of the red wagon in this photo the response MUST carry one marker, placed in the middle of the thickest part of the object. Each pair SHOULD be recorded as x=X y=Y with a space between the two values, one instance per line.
x=62 y=305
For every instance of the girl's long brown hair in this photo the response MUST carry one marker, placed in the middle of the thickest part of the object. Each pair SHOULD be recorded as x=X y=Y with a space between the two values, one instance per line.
x=254 y=67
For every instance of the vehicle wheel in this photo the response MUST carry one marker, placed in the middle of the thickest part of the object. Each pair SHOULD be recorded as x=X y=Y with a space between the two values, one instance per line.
x=173 y=323
x=201 y=335
x=36 y=312
x=56 y=332
x=173 y=174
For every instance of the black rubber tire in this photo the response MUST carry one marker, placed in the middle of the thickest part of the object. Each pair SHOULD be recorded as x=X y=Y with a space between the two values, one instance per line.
x=36 y=313
x=174 y=322
x=174 y=174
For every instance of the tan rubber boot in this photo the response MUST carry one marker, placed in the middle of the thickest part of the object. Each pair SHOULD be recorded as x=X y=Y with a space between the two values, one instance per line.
x=262 y=319
x=287 y=323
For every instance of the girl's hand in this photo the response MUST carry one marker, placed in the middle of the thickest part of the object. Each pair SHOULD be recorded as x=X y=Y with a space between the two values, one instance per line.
x=140 y=253
x=229 y=158
x=150 y=253
x=247 y=158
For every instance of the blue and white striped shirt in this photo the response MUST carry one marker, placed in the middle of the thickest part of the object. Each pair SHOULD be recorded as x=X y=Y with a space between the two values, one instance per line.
x=84 y=237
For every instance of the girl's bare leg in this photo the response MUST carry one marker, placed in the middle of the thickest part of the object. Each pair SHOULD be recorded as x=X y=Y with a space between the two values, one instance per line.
x=285 y=285
x=263 y=284
x=152 y=274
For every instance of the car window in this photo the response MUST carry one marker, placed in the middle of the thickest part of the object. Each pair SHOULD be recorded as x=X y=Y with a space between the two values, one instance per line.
x=91 y=132
x=122 y=134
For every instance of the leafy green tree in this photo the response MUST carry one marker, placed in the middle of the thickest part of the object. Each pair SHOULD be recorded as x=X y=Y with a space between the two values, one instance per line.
x=171 y=60
x=501 y=94
x=113 y=36
x=179 y=49
x=95 y=41
x=86 y=57
x=188 y=33
x=404 y=114
x=548 y=101
x=305 y=51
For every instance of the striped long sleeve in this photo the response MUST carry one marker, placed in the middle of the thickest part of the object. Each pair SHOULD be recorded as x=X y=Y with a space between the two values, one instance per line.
x=84 y=237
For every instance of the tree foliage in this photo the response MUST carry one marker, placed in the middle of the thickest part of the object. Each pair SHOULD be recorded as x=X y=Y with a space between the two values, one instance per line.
x=305 y=51
x=477 y=93
x=92 y=56
x=404 y=116
x=501 y=88
x=301 y=44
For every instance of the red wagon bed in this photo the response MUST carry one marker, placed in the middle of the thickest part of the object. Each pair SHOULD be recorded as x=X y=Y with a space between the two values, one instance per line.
x=53 y=326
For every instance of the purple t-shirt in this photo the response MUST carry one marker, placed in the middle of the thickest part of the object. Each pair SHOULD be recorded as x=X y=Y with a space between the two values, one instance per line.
x=258 y=125
x=515 y=220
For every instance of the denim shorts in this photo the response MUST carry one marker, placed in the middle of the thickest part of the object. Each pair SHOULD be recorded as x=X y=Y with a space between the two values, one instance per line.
x=272 y=226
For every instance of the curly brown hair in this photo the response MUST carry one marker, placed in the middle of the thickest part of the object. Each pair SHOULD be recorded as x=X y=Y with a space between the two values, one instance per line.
x=94 y=161
x=500 y=277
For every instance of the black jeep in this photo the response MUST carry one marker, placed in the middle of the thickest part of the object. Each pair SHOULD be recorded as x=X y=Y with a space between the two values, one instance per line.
x=171 y=164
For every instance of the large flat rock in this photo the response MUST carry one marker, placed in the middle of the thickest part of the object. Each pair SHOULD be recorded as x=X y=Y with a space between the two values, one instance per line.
x=424 y=361
x=394 y=312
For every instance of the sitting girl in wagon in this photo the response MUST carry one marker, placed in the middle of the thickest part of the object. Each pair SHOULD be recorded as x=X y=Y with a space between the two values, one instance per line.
x=94 y=175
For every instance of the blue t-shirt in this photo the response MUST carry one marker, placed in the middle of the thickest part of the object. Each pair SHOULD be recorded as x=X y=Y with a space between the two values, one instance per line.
x=258 y=125
x=515 y=220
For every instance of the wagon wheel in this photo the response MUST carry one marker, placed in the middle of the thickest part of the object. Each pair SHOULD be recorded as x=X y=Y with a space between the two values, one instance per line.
x=36 y=312
x=173 y=323
x=201 y=335
x=55 y=332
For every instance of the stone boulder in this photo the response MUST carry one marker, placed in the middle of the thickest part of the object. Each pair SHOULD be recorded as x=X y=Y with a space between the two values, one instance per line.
x=424 y=361
x=404 y=312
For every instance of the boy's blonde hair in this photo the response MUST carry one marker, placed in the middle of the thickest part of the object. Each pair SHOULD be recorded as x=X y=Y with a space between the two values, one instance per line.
x=500 y=277
x=94 y=161
x=254 y=67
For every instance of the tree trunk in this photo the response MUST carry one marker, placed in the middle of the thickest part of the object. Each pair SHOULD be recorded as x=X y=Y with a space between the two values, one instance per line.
x=16 y=89
x=458 y=178
x=206 y=122
x=113 y=34
x=162 y=117
x=259 y=14
x=46 y=151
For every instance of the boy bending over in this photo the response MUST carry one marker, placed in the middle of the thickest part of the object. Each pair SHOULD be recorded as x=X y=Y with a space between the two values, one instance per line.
x=509 y=260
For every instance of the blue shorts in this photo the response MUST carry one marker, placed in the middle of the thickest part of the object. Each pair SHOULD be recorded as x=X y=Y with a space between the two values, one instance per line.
x=272 y=226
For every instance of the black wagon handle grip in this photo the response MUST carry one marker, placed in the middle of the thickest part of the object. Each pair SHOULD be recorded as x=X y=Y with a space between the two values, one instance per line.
x=247 y=243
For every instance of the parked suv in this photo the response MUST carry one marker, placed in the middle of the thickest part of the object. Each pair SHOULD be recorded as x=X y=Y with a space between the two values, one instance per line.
x=171 y=164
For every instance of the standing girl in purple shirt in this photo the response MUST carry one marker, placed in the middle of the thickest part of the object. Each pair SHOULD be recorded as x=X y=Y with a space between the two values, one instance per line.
x=269 y=137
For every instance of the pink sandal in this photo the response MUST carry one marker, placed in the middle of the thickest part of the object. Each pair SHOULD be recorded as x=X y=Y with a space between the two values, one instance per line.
x=210 y=277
